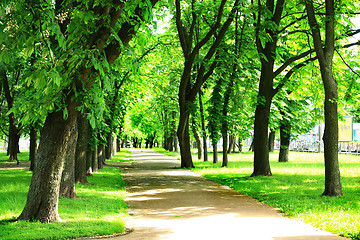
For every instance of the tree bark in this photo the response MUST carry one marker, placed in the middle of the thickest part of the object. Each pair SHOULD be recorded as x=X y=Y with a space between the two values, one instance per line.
x=261 y=150
x=42 y=199
x=184 y=138
x=33 y=148
x=67 y=185
x=81 y=147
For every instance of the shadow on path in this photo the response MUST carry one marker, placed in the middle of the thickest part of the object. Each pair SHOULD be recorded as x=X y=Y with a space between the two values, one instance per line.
x=166 y=202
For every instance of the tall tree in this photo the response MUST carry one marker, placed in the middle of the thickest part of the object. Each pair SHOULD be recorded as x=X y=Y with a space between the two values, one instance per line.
x=72 y=39
x=325 y=53
x=203 y=129
x=275 y=31
x=14 y=127
x=187 y=90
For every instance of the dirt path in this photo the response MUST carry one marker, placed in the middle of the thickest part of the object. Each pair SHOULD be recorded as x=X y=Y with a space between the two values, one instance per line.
x=169 y=203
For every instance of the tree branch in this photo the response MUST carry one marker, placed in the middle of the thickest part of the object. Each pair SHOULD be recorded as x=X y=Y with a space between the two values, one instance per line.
x=183 y=36
x=289 y=73
x=211 y=32
x=200 y=76
x=351 y=69
x=291 y=60
x=315 y=29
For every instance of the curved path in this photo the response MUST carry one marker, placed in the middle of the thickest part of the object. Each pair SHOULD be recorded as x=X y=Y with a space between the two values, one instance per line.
x=170 y=203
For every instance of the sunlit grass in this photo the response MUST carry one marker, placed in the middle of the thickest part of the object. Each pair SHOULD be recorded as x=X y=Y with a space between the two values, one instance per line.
x=100 y=208
x=23 y=157
x=119 y=157
x=296 y=187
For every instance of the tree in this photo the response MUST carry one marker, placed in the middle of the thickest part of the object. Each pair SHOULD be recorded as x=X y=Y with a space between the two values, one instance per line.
x=214 y=121
x=325 y=54
x=187 y=90
x=93 y=48
x=14 y=127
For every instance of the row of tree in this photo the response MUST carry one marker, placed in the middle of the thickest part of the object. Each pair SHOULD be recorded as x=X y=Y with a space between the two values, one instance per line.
x=81 y=72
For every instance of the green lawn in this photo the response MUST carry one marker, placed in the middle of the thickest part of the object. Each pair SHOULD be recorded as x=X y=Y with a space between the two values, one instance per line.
x=23 y=157
x=99 y=209
x=296 y=187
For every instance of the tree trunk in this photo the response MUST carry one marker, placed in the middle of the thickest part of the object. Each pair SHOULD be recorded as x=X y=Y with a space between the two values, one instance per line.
x=251 y=148
x=13 y=139
x=325 y=56
x=215 y=153
x=285 y=129
x=271 y=140
x=261 y=150
x=89 y=159
x=240 y=146
x=118 y=144
x=101 y=156
x=232 y=141
x=81 y=147
x=174 y=134
x=113 y=146
x=262 y=113
x=225 y=146
x=204 y=137
x=67 y=185
x=108 y=148
x=43 y=195
x=184 y=137
x=197 y=139
x=95 y=161
x=33 y=148
x=332 y=173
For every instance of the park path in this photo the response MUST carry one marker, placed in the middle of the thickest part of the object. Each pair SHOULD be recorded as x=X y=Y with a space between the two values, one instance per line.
x=166 y=202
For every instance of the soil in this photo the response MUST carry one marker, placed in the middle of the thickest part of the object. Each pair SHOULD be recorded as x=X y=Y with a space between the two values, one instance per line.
x=166 y=202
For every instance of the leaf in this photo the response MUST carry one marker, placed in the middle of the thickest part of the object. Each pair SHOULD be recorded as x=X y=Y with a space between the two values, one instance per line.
x=65 y=113
x=5 y=56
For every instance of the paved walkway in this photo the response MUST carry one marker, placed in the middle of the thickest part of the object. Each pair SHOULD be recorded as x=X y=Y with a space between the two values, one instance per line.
x=169 y=203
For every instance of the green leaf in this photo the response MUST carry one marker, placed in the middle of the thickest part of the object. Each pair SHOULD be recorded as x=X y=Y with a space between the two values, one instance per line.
x=65 y=113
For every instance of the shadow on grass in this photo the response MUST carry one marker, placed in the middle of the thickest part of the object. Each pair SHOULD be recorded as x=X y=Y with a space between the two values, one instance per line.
x=62 y=230
x=99 y=210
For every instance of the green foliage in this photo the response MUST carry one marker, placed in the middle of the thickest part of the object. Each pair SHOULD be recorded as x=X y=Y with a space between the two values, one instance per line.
x=100 y=208
x=295 y=188
x=215 y=111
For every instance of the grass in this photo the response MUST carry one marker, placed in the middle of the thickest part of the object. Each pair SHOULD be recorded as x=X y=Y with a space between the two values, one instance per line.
x=23 y=157
x=99 y=209
x=296 y=187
